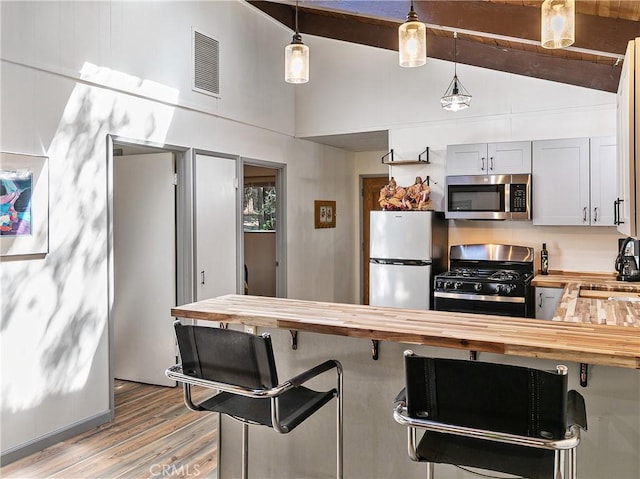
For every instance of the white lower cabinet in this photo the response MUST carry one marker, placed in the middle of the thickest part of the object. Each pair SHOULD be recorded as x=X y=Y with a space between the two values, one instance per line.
x=547 y=300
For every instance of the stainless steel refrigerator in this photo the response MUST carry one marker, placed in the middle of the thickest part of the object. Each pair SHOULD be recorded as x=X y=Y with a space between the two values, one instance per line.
x=407 y=248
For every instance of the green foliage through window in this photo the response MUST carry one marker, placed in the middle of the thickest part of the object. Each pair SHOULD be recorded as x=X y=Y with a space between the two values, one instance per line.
x=259 y=208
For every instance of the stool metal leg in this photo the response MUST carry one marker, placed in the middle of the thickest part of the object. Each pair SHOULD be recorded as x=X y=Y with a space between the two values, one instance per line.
x=245 y=451
x=340 y=434
x=573 y=464
x=430 y=470
x=559 y=464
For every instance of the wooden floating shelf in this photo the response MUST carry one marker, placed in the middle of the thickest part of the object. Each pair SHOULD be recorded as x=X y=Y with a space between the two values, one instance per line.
x=423 y=159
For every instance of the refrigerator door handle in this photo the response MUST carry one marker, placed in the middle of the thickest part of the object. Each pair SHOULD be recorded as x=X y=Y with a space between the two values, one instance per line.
x=405 y=262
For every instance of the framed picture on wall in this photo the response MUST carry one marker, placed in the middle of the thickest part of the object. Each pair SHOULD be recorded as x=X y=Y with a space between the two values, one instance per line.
x=24 y=204
x=325 y=214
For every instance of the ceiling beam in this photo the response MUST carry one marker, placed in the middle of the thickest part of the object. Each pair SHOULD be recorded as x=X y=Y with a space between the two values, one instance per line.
x=381 y=33
x=601 y=34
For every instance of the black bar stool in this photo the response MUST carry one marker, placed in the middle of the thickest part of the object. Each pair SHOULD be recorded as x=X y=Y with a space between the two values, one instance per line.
x=495 y=417
x=241 y=367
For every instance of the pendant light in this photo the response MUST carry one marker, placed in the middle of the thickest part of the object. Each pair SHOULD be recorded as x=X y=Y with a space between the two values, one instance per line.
x=412 y=41
x=456 y=97
x=558 y=23
x=296 y=58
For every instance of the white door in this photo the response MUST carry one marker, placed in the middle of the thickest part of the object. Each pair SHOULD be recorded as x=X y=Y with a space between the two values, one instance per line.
x=561 y=182
x=144 y=267
x=216 y=226
x=603 y=180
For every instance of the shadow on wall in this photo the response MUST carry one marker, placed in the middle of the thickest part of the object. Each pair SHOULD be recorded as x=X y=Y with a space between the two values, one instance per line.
x=54 y=308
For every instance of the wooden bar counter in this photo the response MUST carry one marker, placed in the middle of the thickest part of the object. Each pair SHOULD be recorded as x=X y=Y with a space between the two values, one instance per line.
x=602 y=344
x=375 y=446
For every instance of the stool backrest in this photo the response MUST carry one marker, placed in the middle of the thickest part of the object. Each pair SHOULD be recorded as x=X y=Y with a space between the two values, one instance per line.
x=498 y=397
x=227 y=356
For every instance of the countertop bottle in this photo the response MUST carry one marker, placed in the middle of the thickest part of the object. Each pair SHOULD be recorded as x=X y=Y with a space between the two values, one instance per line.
x=544 y=259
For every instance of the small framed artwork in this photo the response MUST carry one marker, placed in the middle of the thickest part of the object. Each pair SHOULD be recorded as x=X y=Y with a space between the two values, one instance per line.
x=325 y=214
x=24 y=204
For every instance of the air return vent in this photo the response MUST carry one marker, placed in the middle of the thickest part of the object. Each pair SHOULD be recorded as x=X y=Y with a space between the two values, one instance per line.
x=206 y=64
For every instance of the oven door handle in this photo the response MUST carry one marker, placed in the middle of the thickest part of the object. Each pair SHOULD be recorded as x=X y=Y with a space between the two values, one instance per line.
x=480 y=297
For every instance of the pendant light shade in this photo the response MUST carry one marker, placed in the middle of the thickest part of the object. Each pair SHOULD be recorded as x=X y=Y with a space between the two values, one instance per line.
x=296 y=58
x=456 y=97
x=412 y=41
x=558 y=23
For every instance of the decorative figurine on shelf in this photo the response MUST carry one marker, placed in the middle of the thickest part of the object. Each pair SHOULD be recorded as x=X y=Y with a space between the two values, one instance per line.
x=418 y=195
x=392 y=196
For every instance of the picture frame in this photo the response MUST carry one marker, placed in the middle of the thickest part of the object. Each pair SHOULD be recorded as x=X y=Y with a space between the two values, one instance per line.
x=24 y=204
x=325 y=214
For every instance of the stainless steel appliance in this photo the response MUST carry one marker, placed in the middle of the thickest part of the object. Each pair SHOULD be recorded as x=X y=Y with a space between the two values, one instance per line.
x=488 y=197
x=406 y=249
x=628 y=260
x=487 y=279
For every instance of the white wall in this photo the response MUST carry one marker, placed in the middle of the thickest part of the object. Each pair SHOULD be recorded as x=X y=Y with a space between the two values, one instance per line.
x=74 y=72
x=358 y=88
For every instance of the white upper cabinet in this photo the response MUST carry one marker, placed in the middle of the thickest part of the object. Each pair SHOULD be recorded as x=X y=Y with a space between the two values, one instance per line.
x=513 y=157
x=602 y=169
x=561 y=182
x=625 y=220
x=574 y=181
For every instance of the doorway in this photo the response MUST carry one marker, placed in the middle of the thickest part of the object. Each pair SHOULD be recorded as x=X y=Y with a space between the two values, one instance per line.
x=263 y=228
x=143 y=263
x=371 y=187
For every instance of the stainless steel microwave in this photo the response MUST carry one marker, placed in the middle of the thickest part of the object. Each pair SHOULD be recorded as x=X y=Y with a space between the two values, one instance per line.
x=488 y=197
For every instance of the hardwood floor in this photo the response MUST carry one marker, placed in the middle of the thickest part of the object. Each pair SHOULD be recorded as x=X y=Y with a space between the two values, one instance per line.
x=153 y=435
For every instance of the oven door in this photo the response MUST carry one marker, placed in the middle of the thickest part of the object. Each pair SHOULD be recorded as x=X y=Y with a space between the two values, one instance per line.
x=482 y=304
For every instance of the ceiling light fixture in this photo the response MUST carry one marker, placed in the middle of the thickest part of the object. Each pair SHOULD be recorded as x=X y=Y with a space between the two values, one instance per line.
x=558 y=23
x=296 y=58
x=412 y=41
x=456 y=97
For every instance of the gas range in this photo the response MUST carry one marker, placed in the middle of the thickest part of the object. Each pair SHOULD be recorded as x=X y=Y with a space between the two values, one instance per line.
x=503 y=282
x=489 y=279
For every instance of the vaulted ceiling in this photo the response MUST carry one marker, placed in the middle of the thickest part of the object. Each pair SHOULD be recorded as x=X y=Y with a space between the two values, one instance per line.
x=500 y=35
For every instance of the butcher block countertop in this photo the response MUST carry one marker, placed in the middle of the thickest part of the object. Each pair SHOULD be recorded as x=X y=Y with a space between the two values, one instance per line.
x=559 y=279
x=604 y=344
x=594 y=298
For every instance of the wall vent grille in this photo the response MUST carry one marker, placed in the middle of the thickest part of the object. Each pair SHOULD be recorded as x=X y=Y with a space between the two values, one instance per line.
x=206 y=64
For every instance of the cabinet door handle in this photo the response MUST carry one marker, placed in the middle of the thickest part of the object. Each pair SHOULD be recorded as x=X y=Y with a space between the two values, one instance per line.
x=202 y=277
x=616 y=212
x=595 y=214
x=482 y=167
x=584 y=214
x=491 y=164
x=540 y=300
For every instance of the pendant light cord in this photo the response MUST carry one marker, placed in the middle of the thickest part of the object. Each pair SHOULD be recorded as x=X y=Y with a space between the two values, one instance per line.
x=455 y=54
x=297 y=31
